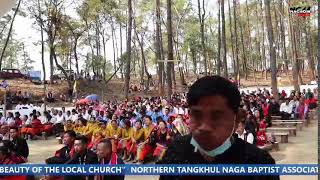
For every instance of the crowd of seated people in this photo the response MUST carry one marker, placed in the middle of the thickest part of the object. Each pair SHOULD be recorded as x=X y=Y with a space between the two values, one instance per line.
x=141 y=129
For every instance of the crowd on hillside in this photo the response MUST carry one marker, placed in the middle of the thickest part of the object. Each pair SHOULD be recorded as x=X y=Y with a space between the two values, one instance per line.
x=137 y=130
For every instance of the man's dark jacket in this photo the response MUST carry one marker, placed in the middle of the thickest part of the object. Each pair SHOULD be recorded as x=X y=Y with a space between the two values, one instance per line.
x=240 y=152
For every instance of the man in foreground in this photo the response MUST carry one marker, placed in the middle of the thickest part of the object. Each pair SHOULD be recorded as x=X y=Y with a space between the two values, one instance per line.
x=106 y=156
x=20 y=146
x=214 y=109
x=82 y=156
x=64 y=154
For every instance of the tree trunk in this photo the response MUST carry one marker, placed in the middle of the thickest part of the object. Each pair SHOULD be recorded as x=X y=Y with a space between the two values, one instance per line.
x=42 y=48
x=244 y=63
x=237 y=70
x=104 y=57
x=158 y=49
x=283 y=39
x=218 y=65
x=201 y=20
x=311 y=67
x=113 y=46
x=144 y=67
x=9 y=33
x=263 y=41
x=170 y=49
x=54 y=56
x=273 y=61
x=318 y=48
x=258 y=41
x=75 y=53
x=249 y=58
x=232 y=37
x=127 y=75
x=295 y=67
x=224 y=44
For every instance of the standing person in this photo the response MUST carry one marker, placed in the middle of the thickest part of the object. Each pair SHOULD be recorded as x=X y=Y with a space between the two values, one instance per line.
x=20 y=146
x=107 y=156
x=82 y=156
x=214 y=104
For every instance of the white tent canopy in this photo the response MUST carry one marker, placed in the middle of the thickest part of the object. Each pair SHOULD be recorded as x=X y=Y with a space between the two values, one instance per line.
x=6 y=5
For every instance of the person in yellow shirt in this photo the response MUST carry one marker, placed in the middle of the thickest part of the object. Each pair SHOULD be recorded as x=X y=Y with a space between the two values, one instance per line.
x=114 y=117
x=137 y=137
x=98 y=135
x=126 y=135
x=69 y=126
x=146 y=147
x=81 y=127
x=91 y=127
x=114 y=134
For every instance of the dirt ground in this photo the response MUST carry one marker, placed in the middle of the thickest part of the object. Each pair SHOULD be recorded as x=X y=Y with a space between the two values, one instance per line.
x=301 y=149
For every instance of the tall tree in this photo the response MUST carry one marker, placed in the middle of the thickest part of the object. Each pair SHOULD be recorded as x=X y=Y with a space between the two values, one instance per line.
x=42 y=44
x=127 y=73
x=224 y=44
x=283 y=37
x=170 y=48
x=295 y=68
x=272 y=51
x=219 y=40
x=232 y=38
x=309 y=49
x=9 y=33
x=237 y=70
x=158 y=49
x=202 y=14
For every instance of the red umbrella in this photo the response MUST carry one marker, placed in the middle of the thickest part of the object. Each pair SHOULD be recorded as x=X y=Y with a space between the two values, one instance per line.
x=82 y=101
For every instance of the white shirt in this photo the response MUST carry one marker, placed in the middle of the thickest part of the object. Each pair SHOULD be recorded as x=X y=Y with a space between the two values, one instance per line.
x=66 y=117
x=18 y=106
x=44 y=119
x=286 y=108
x=86 y=116
x=2 y=121
x=60 y=119
x=74 y=117
x=10 y=121
x=249 y=137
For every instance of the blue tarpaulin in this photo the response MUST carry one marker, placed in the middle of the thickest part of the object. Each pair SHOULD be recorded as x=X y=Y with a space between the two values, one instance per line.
x=35 y=75
x=93 y=97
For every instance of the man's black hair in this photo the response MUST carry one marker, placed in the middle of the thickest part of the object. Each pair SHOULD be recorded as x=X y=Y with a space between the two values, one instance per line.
x=148 y=117
x=71 y=133
x=83 y=139
x=212 y=86
x=15 y=128
x=106 y=142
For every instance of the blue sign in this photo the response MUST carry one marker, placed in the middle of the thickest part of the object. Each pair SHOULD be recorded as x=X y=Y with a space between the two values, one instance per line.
x=181 y=170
